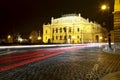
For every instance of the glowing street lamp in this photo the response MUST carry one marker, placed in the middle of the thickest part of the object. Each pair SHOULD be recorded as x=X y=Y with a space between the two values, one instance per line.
x=9 y=36
x=39 y=38
x=106 y=7
x=10 y=39
x=30 y=37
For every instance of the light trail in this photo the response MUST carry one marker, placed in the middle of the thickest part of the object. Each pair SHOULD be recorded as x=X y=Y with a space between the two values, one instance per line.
x=56 y=45
x=26 y=58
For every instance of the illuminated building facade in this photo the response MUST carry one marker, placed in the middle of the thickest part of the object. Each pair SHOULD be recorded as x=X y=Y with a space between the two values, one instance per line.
x=117 y=21
x=72 y=28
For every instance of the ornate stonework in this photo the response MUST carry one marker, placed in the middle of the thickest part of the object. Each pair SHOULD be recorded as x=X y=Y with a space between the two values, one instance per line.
x=117 y=5
x=73 y=29
x=117 y=21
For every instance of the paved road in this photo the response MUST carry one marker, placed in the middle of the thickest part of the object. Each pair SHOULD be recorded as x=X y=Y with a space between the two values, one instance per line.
x=13 y=60
x=83 y=64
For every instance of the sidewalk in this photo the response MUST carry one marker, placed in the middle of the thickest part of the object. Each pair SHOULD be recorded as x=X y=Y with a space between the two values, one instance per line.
x=113 y=50
x=112 y=76
x=108 y=63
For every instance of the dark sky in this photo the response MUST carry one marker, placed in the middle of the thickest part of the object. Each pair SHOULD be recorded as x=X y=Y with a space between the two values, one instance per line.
x=24 y=16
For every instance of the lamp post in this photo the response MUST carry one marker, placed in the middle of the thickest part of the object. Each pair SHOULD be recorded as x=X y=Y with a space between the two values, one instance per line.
x=105 y=7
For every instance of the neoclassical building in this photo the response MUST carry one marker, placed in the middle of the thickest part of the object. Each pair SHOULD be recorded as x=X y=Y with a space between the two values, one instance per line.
x=72 y=28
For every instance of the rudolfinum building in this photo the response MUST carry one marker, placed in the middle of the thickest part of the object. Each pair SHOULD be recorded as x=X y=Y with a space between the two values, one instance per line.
x=72 y=28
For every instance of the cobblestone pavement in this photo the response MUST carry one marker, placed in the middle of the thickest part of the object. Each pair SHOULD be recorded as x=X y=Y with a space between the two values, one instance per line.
x=85 y=64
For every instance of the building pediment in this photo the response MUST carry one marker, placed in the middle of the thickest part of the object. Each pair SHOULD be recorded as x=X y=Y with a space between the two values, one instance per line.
x=70 y=19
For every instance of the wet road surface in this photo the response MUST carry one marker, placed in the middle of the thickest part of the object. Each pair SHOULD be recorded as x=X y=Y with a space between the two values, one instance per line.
x=83 y=64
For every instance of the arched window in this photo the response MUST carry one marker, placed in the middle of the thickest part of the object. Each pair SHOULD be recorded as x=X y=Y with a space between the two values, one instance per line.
x=52 y=37
x=78 y=37
x=70 y=36
x=97 y=38
x=46 y=31
x=56 y=30
x=60 y=30
x=78 y=29
x=56 y=37
x=70 y=30
x=65 y=29
x=65 y=37
x=60 y=37
x=53 y=30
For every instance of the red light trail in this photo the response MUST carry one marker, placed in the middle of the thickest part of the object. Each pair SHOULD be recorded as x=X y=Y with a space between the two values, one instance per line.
x=11 y=61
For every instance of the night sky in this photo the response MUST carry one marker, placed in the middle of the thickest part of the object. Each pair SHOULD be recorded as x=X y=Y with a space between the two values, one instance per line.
x=24 y=16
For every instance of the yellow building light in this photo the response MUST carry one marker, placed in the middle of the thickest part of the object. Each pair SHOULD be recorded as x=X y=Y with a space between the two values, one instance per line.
x=73 y=37
x=39 y=38
x=101 y=38
x=20 y=39
x=66 y=29
x=9 y=36
x=30 y=37
x=104 y=7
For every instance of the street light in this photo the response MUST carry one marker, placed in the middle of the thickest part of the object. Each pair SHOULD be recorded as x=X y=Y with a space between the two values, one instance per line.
x=9 y=36
x=106 y=7
x=39 y=38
